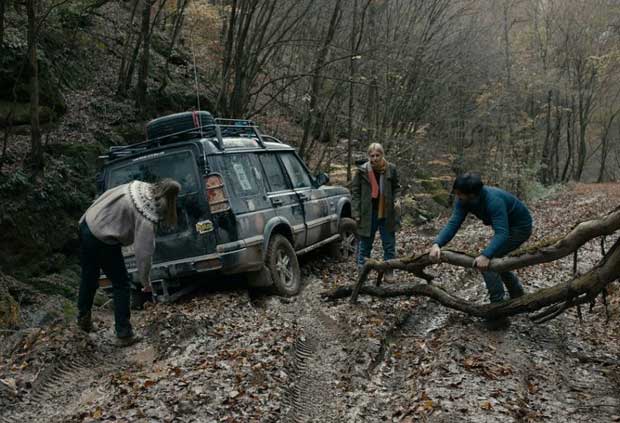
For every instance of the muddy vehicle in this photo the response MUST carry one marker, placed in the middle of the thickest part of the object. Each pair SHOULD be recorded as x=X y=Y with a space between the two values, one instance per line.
x=248 y=204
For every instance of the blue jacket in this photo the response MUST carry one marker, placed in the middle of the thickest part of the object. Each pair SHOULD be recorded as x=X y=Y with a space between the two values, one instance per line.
x=495 y=207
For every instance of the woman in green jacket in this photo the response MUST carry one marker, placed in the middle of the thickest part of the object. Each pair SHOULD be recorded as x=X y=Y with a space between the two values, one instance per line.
x=376 y=205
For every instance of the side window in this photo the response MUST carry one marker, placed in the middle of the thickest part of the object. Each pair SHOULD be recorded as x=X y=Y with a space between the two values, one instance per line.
x=241 y=175
x=276 y=179
x=298 y=174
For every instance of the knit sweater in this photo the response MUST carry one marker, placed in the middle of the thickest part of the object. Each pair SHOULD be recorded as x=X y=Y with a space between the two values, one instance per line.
x=114 y=219
x=495 y=207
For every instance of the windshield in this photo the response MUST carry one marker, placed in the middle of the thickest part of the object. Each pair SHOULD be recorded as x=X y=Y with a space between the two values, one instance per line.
x=178 y=166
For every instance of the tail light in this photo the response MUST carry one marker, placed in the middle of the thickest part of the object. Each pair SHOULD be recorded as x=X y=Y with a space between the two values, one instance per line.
x=216 y=194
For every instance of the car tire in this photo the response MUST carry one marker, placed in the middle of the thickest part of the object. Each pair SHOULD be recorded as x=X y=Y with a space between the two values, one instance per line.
x=346 y=247
x=283 y=266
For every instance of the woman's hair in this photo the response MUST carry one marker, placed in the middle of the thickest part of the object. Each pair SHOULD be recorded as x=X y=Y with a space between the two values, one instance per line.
x=165 y=193
x=468 y=183
x=375 y=146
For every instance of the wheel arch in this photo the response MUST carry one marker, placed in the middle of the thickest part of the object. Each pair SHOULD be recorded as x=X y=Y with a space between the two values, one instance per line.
x=343 y=208
x=278 y=225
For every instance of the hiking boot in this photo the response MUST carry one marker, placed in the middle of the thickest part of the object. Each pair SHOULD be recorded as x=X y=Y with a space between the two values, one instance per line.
x=388 y=276
x=126 y=341
x=85 y=323
x=499 y=323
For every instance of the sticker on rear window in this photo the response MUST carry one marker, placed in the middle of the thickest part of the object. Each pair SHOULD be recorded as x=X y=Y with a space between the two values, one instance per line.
x=243 y=178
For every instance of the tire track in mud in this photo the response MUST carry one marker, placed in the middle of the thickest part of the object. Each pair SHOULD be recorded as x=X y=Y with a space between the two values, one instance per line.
x=60 y=384
x=317 y=360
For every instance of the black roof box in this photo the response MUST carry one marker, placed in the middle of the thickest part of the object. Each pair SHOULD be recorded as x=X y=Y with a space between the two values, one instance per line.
x=177 y=123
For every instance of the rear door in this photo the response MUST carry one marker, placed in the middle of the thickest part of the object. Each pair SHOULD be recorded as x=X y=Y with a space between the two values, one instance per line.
x=247 y=194
x=283 y=198
x=315 y=203
x=193 y=236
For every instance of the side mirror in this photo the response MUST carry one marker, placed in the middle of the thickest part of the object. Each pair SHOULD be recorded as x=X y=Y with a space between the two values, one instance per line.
x=322 y=179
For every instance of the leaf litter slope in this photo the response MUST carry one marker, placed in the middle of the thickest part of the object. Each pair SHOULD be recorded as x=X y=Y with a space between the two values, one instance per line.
x=228 y=355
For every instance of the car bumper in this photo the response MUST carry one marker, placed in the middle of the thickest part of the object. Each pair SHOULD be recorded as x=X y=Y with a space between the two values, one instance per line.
x=226 y=261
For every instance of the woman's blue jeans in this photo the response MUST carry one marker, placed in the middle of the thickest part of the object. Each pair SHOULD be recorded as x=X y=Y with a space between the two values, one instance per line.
x=388 y=239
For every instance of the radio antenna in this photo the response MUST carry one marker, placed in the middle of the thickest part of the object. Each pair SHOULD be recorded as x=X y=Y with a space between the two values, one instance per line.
x=191 y=41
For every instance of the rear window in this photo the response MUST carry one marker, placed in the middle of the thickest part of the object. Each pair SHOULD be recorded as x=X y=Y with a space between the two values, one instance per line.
x=178 y=166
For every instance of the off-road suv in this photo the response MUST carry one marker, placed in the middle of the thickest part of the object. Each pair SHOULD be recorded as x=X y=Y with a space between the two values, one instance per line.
x=248 y=203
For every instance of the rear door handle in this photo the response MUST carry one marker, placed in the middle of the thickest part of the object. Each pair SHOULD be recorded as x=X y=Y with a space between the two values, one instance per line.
x=303 y=196
x=276 y=201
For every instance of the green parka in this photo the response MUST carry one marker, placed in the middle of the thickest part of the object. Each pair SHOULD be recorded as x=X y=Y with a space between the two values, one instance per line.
x=361 y=207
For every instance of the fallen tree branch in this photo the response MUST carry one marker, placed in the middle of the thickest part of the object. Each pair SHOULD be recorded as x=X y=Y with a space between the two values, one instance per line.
x=555 y=299
x=570 y=243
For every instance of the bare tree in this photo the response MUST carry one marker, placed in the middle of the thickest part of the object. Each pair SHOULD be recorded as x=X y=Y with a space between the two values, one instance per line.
x=36 y=149
x=3 y=4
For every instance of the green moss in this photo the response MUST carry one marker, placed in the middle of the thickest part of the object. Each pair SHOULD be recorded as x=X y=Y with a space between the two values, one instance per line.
x=64 y=284
x=21 y=113
x=130 y=132
x=69 y=310
x=419 y=174
x=535 y=246
x=9 y=311
x=442 y=198
x=38 y=219
x=431 y=185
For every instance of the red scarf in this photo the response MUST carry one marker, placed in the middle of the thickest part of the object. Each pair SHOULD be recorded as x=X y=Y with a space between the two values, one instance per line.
x=376 y=187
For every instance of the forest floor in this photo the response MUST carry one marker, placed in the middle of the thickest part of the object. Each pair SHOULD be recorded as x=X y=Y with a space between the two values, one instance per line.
x=226 y=354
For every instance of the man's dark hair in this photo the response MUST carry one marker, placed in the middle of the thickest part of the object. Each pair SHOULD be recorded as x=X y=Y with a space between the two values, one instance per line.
x=468 y=183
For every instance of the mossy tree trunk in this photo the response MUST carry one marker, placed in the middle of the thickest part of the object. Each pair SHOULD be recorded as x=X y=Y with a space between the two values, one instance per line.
x=36 y=149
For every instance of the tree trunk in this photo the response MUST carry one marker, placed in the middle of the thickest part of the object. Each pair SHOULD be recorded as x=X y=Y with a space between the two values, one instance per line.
x=352 y=69
x=222 y=104
x=2 y=10
x=122 y=84
x=569 y=142
x=317 y=80
x=546 y=152
x=557 y=134
x=36 y=149
x=176 y=30
x=605 y=147
x=143 y=70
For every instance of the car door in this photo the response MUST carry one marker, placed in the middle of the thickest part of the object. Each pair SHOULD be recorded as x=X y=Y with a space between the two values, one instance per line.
x=315 y=202
x=283 y=198
x=184 y=240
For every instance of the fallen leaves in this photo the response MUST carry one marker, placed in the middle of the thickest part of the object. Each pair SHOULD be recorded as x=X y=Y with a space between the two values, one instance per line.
x=483 y=365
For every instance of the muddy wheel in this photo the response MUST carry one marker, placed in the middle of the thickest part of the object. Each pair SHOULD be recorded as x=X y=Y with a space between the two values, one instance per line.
x=283 y=266
x=346 y=246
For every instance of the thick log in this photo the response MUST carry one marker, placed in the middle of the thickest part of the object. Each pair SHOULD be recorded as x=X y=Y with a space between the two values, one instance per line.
x=555 y=300
x=579 y=290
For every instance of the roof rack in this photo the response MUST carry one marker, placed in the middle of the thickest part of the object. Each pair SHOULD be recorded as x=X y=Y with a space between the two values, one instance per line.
x=236 y=122
x=217 y=132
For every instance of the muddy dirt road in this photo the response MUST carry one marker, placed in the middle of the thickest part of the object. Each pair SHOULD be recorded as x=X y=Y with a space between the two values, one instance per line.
x=229 y=355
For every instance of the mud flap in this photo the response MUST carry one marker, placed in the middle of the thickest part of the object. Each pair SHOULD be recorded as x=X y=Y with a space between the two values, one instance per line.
x=260 y=279
x=161 y=290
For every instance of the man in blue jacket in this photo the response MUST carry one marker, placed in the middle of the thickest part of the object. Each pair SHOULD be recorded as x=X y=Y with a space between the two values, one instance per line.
x=510 y=219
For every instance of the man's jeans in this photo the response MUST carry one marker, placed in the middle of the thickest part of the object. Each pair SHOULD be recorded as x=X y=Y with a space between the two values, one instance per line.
x=493 y=280
x=96 y=255
x=388 y=239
